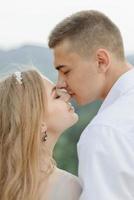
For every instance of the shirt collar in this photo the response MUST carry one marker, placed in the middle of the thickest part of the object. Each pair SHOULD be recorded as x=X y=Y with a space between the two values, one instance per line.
x=121 y=86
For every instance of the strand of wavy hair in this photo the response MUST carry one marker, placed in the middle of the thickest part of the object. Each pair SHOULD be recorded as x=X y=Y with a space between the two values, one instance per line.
x=21 y=112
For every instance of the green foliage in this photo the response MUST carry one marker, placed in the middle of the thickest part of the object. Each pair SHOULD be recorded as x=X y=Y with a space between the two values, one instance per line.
x=66 y=149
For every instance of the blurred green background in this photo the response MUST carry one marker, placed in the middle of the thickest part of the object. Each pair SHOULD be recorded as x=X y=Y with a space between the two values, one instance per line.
x=66 y=149
x=65 y=152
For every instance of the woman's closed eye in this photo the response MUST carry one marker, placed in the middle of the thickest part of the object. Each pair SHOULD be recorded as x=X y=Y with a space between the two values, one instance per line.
x=57 y=96
x=58 y=93
x=66 y=72
x=61 y=94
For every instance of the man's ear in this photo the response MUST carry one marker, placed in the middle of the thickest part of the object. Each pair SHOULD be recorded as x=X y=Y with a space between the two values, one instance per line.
x=103 y=60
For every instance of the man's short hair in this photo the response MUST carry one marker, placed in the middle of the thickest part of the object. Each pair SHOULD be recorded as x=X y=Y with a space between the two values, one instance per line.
x=87 y=31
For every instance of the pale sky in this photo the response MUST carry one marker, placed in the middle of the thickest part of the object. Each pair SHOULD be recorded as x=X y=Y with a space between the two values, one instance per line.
x=30 y=21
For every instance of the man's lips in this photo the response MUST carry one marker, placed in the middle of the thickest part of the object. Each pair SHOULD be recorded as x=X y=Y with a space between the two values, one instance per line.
x=71 y=93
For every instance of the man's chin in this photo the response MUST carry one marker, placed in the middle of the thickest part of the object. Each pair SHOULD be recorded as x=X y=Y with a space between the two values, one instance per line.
x=81 y=102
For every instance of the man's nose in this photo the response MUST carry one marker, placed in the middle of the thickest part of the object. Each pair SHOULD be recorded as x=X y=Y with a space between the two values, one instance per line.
x=61 y=82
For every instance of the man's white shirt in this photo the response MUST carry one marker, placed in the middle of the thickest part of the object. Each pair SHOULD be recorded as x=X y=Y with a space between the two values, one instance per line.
x=106 y=146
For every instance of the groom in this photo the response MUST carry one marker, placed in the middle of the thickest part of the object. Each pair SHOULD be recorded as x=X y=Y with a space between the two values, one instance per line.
x=89 y=56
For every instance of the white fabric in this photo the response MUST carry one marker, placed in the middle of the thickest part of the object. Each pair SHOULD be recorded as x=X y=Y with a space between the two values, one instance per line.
x=106 y=146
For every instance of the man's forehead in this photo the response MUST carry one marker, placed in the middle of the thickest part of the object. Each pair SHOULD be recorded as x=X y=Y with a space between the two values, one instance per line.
x=62 y=49
x=61 y=61
x=66 y=44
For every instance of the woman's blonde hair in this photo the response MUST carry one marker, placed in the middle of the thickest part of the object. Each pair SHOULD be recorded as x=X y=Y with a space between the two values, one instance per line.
x=22 y=109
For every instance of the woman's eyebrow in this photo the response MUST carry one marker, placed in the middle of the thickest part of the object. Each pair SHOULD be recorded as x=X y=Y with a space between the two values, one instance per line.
x=53 y=89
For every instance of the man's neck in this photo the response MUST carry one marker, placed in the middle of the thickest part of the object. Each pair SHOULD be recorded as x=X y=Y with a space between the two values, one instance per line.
x=114 y=74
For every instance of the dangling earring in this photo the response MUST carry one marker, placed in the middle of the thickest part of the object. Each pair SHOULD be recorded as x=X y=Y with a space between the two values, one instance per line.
x=44 y=137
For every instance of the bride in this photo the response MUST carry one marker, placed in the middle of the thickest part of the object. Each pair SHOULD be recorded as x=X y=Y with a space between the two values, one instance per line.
x=33 y=115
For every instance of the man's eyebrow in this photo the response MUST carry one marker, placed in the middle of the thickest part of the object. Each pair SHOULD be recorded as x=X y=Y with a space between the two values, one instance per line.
x=60 y=67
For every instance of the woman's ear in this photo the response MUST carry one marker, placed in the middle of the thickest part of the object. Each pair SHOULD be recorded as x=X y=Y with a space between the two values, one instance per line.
x=103 y=60
x=43 y=132
x=43 y=127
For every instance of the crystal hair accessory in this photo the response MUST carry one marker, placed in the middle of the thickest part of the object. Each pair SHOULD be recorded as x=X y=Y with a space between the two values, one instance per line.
x=18 y=77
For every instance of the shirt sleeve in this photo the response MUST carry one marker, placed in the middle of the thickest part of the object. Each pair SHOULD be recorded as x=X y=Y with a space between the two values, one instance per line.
x=106 y=164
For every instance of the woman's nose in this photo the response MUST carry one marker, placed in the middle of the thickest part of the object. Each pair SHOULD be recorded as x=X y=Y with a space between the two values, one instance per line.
x=64 y=95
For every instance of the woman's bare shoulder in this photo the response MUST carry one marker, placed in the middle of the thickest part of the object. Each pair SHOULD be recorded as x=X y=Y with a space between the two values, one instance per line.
x=68 y=186
x=61 y=185
x=62 y=174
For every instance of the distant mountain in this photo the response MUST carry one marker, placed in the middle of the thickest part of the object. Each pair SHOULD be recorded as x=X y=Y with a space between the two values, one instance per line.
x=39 y=56
x=131 y=58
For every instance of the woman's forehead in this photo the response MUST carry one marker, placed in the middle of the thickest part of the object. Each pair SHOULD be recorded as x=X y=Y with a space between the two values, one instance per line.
x=47 y=80
x=49 y=85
